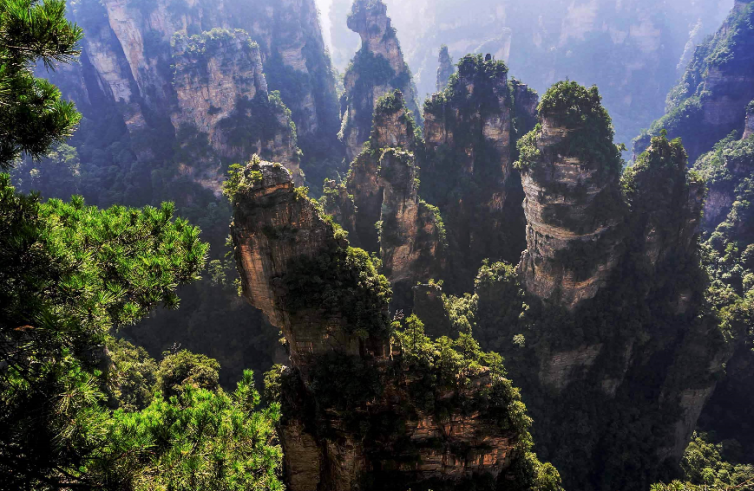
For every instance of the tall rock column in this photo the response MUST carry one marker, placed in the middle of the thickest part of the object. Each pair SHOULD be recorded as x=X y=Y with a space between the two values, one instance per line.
x=570 y=173
x=445 y=70
x=377 y=69
x=390 y=218
x=468 y=168
x=367 y=404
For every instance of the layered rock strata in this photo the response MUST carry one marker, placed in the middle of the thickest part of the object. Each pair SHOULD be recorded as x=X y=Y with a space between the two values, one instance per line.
x=354 y=416
x=377 y=69
x=635 y=339
x=572 y=205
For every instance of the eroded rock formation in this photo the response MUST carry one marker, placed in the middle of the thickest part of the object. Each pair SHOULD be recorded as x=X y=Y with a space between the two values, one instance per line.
x=378 y=68
x=573 y=204
x=725 y=169
x=749 y=127
x=128 y=60
x=390 y=218
x=468 y=171
x=445 y=70
x=357 y=411
x=604 y=315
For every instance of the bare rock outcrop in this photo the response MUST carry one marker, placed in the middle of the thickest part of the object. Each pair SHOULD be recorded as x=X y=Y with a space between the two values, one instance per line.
x=357 y=411
x=573 y=206
x=749 y=127
x=377 y=69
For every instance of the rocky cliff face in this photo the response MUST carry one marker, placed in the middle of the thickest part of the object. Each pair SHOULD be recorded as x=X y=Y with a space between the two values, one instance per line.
x=445 y=70
x=412 y=234
x=572 y=203
x=295 y=61
x=128 y=47
x=468 y=171
x=221 y=90
x=377 y=69
x=357 y=414
x=725 y=169
x=711 y=100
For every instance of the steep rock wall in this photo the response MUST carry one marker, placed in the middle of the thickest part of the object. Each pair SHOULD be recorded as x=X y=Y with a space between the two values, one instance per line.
x=749 y=127
x=221 y=90
x=445 y=70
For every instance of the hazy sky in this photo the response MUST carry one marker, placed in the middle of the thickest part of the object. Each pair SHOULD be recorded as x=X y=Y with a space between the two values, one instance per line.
x=324 y=8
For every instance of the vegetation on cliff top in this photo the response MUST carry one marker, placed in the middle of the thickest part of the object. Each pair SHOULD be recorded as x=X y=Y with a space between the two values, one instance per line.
x=590 y=131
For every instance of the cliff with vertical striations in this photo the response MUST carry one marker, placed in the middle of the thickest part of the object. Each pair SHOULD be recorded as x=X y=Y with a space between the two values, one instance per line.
x=377 y=69
x=129 y=60
x=468 y=168
x=358 y=410
x=710 y=102
x=221 y=90
x=570 y=171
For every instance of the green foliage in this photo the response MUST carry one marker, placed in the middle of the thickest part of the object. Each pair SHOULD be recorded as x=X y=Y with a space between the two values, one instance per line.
x=529 y=153
x=185 y=369
x=34 y=117
x=196 y=440
x=69 y=273
x=439 y=371
x=341 y=281
x=242 y=178
x=706 y=467
x=590 y=137
x=131 y=377
x=206 y=44
x=386 y=107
